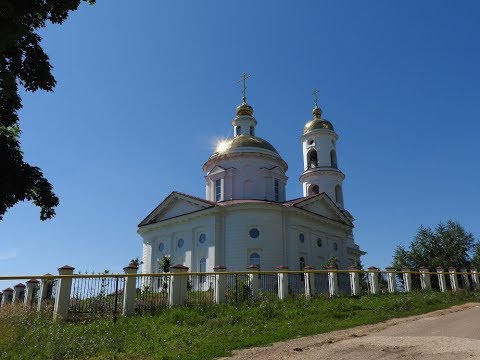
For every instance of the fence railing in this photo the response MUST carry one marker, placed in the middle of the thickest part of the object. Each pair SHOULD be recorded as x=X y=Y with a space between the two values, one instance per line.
x=79 y=297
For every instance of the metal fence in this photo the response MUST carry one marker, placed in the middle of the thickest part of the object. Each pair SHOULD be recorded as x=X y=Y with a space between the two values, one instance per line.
x=104 y=295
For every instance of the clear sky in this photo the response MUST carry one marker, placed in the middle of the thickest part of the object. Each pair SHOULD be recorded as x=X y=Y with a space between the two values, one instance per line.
x=145 y=88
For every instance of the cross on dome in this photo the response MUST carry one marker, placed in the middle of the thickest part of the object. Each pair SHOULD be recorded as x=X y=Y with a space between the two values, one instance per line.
x=244 y=78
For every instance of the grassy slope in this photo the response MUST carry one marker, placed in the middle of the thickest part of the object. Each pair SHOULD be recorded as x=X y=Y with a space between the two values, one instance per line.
x=204 y=333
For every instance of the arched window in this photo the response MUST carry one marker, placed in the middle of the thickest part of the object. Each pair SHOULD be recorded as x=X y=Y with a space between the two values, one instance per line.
x=313 y=190
x=252 y=131
x=338 y=194
x=238 y=130
x=302 y=263
x=255 y=259
x=203 y=268
x=333 y=159
x=312 y=159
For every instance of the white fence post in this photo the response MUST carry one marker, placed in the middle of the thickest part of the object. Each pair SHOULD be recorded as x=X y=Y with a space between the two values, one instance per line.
x=309 y=282
x=220 y=283
x=392 y=284
x=373 y=279
x=177 y=287
x=407 y=280
x=441 y=279
x=129 y=290
x=453 y=278
x=474 y=275
x=31 y=285
x=465 y=281
x=43 y=291
x=7 y=296
x=332 y=281
x=425 y=281
x=253 y=281
x=354 y=281
x=18 y=293
x=282 y=279
x=62 y=300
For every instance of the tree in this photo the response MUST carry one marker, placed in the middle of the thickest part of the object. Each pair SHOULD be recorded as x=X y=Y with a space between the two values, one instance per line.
x=446 y=245
x=23 y=62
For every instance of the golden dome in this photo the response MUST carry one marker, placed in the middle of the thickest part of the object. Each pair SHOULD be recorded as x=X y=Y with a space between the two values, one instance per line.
x=317 y=124
x=244 y=109
x=243 y=141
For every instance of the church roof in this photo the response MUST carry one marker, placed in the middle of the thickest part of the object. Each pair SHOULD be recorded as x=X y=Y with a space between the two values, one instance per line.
x=317 y=123
x=240 y=142
x=153 y=217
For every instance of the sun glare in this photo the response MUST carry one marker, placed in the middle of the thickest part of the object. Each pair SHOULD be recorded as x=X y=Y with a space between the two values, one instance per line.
x=222 y=146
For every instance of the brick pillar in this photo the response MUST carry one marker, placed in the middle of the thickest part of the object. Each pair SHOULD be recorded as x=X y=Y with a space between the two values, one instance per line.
x=18 y=293
x=7 y=296
x=474 y=275
x=441 y=279
x=465 y=280
x=425 y=278
x=373 y=279
x=129 y=290
x=407 y=280
x=392 y=284
x=62 y=300
x=282 y=279
x=220 y=284
x=453 y=278
x=177 y=289
x=253 y=280
x=309 y=282
x=31 y=285
x=354 y=281
x=332 y=281
x=43 y=292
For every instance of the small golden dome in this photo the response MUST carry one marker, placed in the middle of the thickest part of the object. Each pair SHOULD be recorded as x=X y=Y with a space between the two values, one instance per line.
x=317 y=113
x=244 y=109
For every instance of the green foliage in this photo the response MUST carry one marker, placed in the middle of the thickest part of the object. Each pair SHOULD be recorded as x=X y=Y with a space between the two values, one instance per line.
x=446 y=245
x=204 y=332
x=23 y=62
x=332 y=261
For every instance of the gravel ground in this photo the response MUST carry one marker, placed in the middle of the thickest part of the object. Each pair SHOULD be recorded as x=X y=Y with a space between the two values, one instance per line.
x=452 y=333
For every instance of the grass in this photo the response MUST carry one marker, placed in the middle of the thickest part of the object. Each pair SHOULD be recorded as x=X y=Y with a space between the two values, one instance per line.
x=203 y=332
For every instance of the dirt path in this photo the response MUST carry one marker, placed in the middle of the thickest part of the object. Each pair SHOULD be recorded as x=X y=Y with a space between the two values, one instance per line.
x=452 y=333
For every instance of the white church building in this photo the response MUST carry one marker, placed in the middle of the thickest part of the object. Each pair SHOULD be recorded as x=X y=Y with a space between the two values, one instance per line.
x=245 y=218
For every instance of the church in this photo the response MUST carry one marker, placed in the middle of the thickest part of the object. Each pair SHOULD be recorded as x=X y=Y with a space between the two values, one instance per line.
x=245 y=218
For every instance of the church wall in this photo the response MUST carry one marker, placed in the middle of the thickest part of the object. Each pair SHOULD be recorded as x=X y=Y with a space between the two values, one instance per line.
x=180 y=208
x=239 y=245
x=314 y=254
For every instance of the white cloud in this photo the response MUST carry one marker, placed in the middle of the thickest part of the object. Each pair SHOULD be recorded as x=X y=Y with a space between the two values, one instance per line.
x=8 y=255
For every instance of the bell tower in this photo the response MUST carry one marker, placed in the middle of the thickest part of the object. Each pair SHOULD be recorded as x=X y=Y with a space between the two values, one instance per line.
x=320 y=166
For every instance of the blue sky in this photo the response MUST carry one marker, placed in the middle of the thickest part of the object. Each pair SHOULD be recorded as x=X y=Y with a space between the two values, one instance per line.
x=145 y=88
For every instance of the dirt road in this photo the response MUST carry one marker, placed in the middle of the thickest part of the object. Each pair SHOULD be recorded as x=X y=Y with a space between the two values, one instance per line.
x=445 y=334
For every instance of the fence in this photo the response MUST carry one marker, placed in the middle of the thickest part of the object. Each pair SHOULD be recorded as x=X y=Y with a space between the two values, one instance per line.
x=80 y=297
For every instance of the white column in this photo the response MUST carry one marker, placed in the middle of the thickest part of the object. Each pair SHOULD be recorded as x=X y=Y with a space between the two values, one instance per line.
x=474 y=275
x=441 y=279
x=7 y=296
x=392 y=284
x=31 y=284
x=407 y=280
x=62 y=300
x=373 y=279
x=425 y=279
x=129 y=290
x=332 y=281
x=354 y=281
x=220 y=283
x=17 y=292
x=177 y=287
x=253 y=281
x=309 y=282
x=282 y=279
x=465 y=280
x=43 y=292
x=453 y=278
